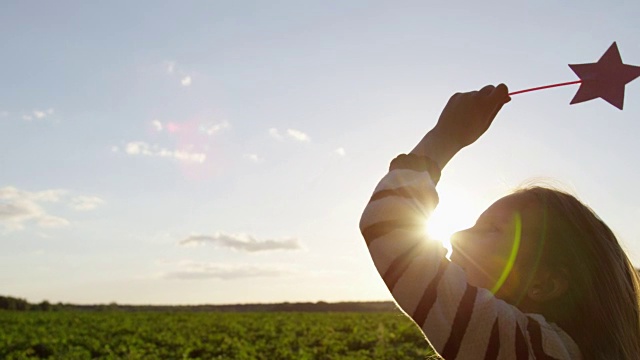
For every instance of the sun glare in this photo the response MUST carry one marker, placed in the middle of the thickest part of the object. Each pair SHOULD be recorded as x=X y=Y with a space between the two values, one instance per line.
x=456 y=211
x=439 y=231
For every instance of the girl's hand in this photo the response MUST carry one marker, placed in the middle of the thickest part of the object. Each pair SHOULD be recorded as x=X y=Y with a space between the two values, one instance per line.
x=468 y=115
x=464 y=119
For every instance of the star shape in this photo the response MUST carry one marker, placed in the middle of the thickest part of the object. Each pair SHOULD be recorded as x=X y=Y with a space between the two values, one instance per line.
x=605 y=79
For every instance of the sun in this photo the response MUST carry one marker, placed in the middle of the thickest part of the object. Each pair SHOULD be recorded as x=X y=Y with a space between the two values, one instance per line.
x=440 y=231
x=456 y=211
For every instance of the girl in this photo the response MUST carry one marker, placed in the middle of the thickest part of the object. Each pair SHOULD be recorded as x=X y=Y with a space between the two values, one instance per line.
x=539 y=276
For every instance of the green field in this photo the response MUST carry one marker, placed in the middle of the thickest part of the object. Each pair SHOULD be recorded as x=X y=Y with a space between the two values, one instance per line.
x=208 y=335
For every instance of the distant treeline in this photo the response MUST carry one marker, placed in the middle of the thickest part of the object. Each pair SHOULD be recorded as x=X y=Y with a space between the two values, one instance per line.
x=17 y=304
x=11 y=303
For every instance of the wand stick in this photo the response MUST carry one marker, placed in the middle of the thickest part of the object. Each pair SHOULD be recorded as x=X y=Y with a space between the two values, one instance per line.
x=545 y=87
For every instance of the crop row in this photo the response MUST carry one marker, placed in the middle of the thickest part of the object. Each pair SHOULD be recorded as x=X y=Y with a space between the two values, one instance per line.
x=184 y=335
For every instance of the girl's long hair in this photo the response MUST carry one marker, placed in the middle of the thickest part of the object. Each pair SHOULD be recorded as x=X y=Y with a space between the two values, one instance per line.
x=600 y=309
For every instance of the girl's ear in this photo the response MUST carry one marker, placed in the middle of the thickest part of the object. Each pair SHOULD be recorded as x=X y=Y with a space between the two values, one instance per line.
x=548 y=284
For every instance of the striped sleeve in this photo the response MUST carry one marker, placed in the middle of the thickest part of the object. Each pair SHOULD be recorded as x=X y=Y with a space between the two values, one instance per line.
x=459 y=320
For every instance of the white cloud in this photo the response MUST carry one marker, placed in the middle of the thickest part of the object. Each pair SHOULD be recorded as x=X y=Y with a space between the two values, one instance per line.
x=274 y=133
x=85 y=203
x=41 y=114
x=203 y=271
x=48 y=195
x=4 y=113
x=18 y=211
x=115 y=149
x=242 y=242
x=38 y=114
x=138 y=148
x=212 y=129
x=157 y=125
x=173 y=69
x=51 y=221
x=189 y=156
x=298 y=135
x=18 y=207
x=142 y=148
x=253 y=157
x=12 y=193
x=340 y=151
x=294 y=134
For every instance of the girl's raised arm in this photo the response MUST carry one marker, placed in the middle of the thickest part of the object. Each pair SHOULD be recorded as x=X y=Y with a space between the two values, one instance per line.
x=459 y=320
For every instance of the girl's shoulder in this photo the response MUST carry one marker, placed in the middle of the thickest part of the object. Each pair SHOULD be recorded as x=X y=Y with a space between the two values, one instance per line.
x=551 y=333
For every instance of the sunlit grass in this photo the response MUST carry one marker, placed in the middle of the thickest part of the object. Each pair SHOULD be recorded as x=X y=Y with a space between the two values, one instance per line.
x=209 y=335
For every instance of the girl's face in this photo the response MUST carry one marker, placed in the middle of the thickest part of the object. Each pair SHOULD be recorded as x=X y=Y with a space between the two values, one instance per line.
x=490 y=253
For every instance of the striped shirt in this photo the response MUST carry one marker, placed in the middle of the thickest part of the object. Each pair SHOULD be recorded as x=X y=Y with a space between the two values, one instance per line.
x=459 y=320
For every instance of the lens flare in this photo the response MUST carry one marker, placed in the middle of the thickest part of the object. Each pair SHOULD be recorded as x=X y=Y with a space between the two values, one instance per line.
x=512 y=255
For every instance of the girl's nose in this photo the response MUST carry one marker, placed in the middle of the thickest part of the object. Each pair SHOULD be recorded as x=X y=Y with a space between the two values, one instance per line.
x=457 y=241
x=458 y=238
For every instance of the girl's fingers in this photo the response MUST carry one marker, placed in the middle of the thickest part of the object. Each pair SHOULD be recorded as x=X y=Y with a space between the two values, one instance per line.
x=500 y=95
x=487 y=90
x=496 y=99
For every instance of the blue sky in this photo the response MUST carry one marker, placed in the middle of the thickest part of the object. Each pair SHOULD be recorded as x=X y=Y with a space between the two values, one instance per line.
x=222 y=152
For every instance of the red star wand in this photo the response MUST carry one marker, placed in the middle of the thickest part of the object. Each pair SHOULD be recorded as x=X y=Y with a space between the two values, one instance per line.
x=604 y=79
